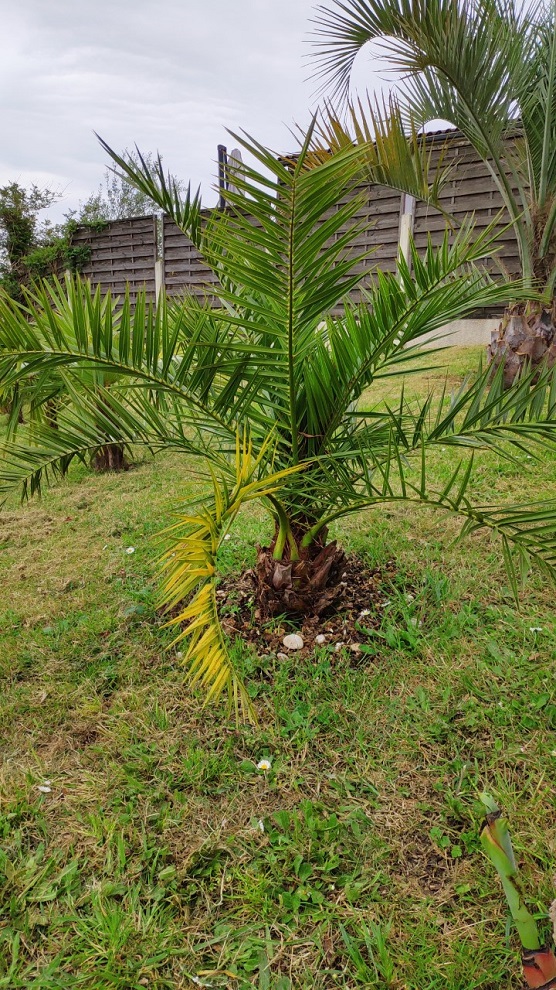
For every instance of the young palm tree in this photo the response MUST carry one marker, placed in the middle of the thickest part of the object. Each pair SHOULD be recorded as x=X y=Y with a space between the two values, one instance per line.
x=489 y=68
x=45 y=398
x=269 y=394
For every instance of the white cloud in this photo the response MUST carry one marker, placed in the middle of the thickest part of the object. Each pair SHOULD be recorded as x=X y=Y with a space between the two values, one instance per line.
x=169 y=75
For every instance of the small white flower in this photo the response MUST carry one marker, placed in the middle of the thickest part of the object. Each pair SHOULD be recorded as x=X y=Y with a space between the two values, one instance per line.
x=179 y=655
x=264 y=765
x=130 y=550
x=260 y=825
x=227 y=536
x=535 y=629
x=366 y=611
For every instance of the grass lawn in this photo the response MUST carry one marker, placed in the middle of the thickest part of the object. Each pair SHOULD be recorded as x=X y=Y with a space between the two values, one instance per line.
x=159 y=856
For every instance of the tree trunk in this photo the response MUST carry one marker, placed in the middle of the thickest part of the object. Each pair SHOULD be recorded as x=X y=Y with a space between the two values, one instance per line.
x=303 y=581
x=527 y=334
x=51 y=414
x=110 y=457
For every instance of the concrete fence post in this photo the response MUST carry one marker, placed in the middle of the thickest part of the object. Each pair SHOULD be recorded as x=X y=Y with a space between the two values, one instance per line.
x=158 y=278
x=407 y=219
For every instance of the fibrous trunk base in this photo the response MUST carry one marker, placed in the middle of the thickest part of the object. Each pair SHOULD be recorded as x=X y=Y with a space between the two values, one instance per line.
x=524 y=336
x=307 y=586
x=110 y=457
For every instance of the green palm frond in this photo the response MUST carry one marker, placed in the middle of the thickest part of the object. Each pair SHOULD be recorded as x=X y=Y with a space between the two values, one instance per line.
x=160 y=186
x=396 y=154
x=189 y=571
x=385 y=456
x=379 y=337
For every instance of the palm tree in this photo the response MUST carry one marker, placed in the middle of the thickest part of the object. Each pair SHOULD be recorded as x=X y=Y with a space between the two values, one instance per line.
x=44 y=398
x=269 y=394
x=489 y=68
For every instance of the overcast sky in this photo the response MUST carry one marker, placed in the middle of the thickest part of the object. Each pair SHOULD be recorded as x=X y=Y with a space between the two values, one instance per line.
x=169 y=75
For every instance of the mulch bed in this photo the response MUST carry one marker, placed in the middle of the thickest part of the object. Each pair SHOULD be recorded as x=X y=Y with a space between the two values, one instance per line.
x=364 y=594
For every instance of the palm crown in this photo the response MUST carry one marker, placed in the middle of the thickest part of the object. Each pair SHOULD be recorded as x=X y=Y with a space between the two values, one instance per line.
x=489 y=68
x=486 y=66
x=270 y=393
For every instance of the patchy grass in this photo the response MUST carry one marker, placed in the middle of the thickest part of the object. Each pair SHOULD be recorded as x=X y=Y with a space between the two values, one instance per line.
x=161 y=857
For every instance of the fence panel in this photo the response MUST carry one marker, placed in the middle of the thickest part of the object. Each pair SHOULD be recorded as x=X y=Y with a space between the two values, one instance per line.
x=184 y=268
x=125 y=251
x=122 y=254
x=469 y=193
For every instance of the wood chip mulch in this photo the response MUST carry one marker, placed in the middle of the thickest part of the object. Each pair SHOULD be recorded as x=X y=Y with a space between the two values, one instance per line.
x=361 y=603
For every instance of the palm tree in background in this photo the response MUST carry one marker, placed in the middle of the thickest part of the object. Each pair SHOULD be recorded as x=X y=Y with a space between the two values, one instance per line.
x=489 y=68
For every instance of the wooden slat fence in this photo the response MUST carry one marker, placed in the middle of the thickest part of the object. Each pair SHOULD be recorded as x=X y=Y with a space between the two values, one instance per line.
x=122 y=254
x=126 y=250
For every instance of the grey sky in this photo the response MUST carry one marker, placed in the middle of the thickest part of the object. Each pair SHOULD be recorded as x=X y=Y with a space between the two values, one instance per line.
x=170 y=75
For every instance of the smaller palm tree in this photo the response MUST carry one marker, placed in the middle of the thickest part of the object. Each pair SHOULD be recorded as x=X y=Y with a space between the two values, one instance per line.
x=45 y=398
x=272 y=396
x=488 y=67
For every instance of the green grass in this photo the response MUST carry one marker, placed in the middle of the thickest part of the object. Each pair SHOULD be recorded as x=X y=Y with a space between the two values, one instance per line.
x=161 y=853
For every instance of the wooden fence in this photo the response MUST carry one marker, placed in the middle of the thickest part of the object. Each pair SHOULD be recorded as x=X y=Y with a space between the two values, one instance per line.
x=148 y=253
x=123 y=254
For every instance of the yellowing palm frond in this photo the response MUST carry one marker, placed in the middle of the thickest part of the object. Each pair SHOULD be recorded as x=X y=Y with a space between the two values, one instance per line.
x=189 y=568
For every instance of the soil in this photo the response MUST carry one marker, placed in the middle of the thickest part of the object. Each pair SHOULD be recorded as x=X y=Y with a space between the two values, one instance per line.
x=364 y=593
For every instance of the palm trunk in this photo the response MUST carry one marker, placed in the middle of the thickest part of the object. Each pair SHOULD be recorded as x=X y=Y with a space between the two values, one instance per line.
x=51 y=414
x=297 y=575
x=527 y=334
x=110 y=457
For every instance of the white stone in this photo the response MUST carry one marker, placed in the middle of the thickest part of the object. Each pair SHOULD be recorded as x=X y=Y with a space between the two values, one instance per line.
x=281 y=656
x=293 y=642
x=320 y=639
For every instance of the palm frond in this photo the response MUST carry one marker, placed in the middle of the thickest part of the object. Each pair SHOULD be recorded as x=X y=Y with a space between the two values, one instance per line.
x=185 y=209
x=468 y=63
x=398 y=312
x=396 y=154
x=189 y=572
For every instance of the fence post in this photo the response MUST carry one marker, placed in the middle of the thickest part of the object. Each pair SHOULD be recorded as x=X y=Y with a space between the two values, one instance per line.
x=158 y=222
x=407 y=218
x=158 y=278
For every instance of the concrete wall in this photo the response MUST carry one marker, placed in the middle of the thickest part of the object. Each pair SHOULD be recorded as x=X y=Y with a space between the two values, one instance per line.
x=463 y=333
